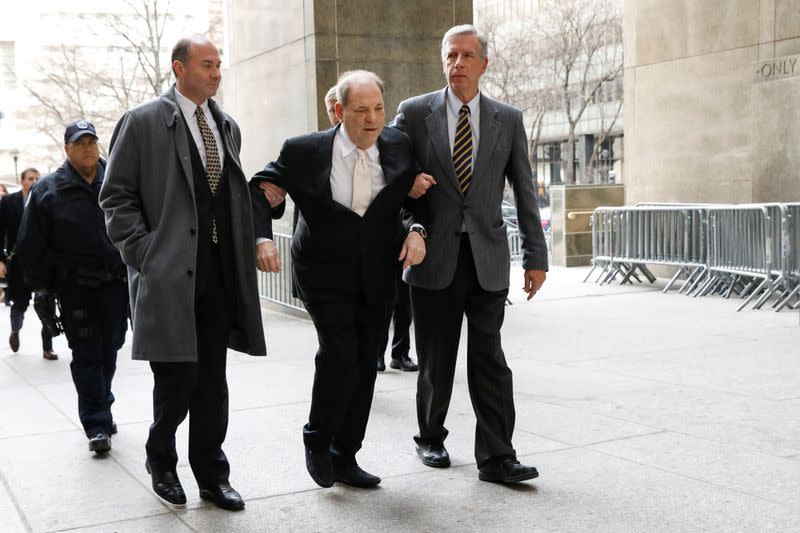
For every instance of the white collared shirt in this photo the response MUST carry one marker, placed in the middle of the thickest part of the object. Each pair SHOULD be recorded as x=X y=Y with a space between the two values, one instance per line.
x=187 y=108
x=453 y=108
x=343 y=165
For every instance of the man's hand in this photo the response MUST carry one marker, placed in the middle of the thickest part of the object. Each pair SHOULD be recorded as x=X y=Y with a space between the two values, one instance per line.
x=422 y=183
x=267 y=258
x=534 y=279
x=2 y=270
x=413 y=251
x=274 y=194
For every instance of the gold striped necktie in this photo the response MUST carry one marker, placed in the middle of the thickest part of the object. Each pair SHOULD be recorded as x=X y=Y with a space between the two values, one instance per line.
x=213 y=165
x=462 y=149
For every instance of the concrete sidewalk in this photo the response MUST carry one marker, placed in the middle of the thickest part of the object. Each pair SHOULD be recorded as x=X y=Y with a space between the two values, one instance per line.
x=643 y=412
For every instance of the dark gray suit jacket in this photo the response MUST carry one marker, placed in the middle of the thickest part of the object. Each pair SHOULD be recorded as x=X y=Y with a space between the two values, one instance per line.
x=502 y=155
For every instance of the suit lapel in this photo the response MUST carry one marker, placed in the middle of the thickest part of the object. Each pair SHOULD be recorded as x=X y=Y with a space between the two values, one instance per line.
x=436 y=123
x=172 y=116
x=490 y=132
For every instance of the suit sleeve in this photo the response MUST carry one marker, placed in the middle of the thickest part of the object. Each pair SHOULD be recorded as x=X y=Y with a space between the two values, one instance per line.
x=277 y=173
x=520 y=177
x=120 y=195
x=31 y=248
x=3 y=230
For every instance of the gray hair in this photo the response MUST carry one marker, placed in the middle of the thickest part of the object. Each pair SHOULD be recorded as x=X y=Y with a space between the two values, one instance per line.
x=466 y=29
x=330 y=96
x=352 y=78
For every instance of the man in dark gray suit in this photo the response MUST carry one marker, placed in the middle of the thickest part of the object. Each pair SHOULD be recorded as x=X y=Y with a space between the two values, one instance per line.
x=471 y=145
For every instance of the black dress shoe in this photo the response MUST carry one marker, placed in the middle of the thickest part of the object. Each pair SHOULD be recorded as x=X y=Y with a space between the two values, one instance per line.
x=100 y=443
x=113 y=430
x=405 y=364
x=167 y=485
x=381 y=365
x=13 y=342
x=320 y=467
x=354 y=476
x=507 y=471
x=434 y=455
x=223 y=496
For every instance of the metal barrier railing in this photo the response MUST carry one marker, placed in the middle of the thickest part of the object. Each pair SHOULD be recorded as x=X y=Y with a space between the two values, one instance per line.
x=277 y=286
x=749 y=250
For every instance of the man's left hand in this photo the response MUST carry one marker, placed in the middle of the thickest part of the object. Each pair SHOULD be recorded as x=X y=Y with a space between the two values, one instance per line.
x=413 y=251
x=534 y=279
x=274 y=194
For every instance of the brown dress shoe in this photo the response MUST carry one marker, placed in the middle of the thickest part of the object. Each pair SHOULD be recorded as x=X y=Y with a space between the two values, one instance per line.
x=50 y=355
x=13 y=341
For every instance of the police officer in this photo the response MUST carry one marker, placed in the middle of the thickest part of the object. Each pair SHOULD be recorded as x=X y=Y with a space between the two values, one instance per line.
x=67 y=255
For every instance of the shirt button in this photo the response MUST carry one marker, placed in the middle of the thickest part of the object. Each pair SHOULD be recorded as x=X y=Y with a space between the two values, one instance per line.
x=189 y=272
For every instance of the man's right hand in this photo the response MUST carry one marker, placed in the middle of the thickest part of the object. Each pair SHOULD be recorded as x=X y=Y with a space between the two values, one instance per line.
x=267 y=258
x=2 y=270
x=422 y=183
x=274 y=194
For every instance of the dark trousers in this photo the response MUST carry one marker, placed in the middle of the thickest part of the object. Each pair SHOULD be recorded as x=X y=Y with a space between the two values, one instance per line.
x=438 y=317
x=399 y=310
x=95 y=321
x=199 y=389
x=18 y=308
x=349 y=334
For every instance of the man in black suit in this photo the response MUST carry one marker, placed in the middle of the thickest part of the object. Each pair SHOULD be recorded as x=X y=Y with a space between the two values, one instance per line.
x=350 y=183
x=11 y=208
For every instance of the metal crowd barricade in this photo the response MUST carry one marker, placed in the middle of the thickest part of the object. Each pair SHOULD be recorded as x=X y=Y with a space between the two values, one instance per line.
x=276 y=287
x=626 y=239
x=791 y=256
x=740 y=253
x=514 y=244
x=750 y=250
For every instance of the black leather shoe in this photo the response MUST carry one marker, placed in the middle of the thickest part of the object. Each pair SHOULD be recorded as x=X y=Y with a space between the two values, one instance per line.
x=354 y=476
x=167 y=485
x=507 y=471
x=223 y=496
x=434 y=455
x=320 y=467
x=381 y=365
x=13 y=342
x=100 y=443
x=405 y=364
x=113 y=430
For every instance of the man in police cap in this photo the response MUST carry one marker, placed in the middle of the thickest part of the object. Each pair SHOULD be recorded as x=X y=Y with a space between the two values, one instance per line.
x=66 y=255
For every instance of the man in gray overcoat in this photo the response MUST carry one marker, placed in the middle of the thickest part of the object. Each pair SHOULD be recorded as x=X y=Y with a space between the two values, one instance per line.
x=177 y=206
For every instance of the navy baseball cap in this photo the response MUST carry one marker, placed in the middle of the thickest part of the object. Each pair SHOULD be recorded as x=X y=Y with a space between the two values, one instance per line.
x=75 y=130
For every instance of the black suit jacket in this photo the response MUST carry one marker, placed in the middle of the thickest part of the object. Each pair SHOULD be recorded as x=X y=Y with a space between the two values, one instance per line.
x=11 y=209
x=335 y=252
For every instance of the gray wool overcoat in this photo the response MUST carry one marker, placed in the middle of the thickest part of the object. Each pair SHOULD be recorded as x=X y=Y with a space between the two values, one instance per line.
x=149 y=204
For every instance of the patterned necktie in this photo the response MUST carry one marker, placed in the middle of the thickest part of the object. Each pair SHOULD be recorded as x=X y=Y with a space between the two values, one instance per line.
x=213 y=165
x=462 y=149
x=362 y=184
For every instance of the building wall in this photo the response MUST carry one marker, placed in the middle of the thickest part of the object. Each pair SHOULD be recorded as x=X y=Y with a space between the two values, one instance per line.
x=283 y=56
x=701 y=123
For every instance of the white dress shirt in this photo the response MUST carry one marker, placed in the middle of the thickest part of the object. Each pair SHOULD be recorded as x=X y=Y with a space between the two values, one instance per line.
x=453 y=108
x=187 y=108
x=343 y=165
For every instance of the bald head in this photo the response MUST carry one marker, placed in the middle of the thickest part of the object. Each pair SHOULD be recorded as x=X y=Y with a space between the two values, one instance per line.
x=196 y=64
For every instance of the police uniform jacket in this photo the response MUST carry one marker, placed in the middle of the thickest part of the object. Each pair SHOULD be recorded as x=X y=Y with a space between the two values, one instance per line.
x=63 y=234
